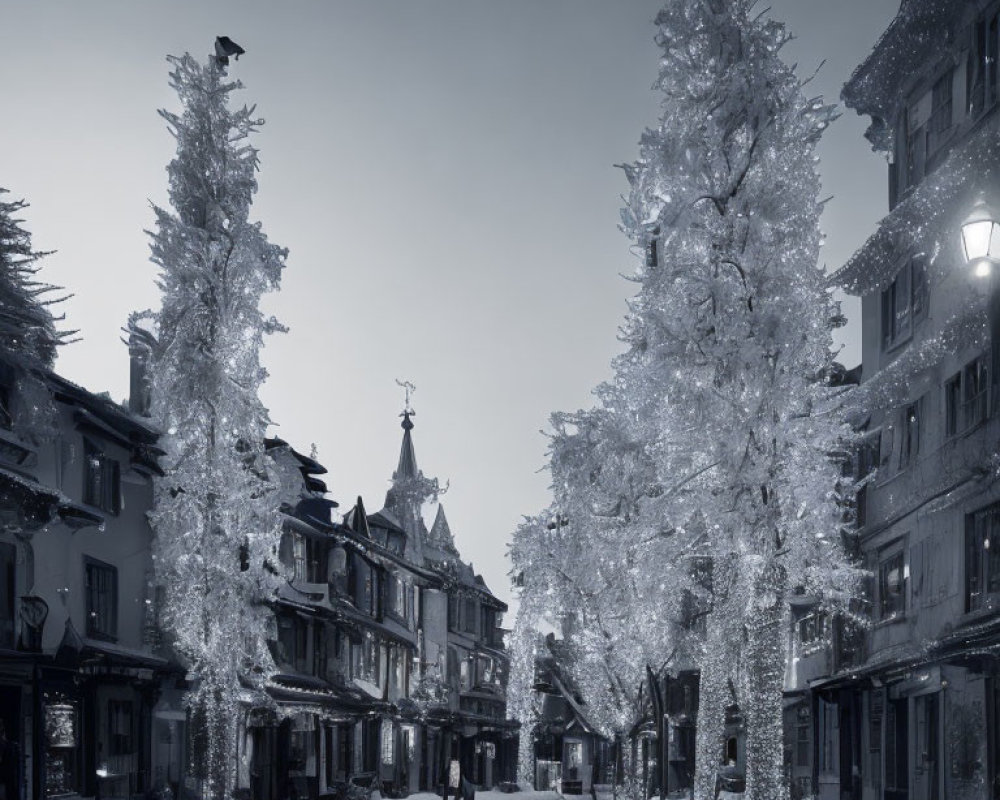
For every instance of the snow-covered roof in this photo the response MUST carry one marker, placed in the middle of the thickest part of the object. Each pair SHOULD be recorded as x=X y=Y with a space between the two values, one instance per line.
x=912 y=38
x=928 y=220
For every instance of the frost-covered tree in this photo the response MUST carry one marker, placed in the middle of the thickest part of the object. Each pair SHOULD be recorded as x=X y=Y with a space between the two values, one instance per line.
x=215 y=520
x=600 y=568
x=730 y=333
x=718 y=467
x=28 y=333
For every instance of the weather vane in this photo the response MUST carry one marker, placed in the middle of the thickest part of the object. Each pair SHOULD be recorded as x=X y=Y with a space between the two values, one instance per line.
x=409 y=388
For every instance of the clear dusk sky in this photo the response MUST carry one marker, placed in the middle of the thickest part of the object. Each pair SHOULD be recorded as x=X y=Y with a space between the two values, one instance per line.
x=442 y=174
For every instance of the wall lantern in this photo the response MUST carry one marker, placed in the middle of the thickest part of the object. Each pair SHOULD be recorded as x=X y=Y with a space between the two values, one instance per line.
x=981 y=239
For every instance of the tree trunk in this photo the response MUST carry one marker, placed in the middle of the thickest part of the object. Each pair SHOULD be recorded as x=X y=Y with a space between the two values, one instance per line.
x=765 y=663
x=713 y=697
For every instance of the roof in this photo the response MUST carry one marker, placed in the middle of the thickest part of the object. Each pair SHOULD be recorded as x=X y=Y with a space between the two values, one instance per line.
x=911 y=40
x=407 y=467
x=132 y=426
x=385 y=519
x=928 y=220
x=357 y=521
x=440 y=534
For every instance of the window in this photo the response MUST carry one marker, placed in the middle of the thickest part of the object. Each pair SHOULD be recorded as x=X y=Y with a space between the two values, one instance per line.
x=903 y=302
x=915 y=142
x=469 y=615
x=909 y=444
x=982 y=557
x=292 y=641
x=981 y=70
x=101 y=479
x=868 y=459
x=966 y=397
x=299 y=555
x=896 y=310
x=452 y=612
x=364 y=586
x=487 y=623
x=398 y=657
x=319 y=650
x=101 y=586
x=892 y=584
x=366 y=658
x=953 y=405
x=396 y=591
x=939 y=124
x=974 y=392
x=388 y=749
x=814 y=629
x=803 y=724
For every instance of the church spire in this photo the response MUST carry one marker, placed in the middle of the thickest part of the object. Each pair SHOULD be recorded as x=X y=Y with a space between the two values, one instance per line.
x=407 y=457
x=410 y=490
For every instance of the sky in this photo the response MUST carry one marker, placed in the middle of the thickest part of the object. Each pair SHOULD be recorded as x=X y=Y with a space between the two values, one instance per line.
x=442 y=173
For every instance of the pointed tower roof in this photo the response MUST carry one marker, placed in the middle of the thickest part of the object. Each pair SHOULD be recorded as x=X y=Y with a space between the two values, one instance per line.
x=440 y=535
x=356 y=519
x=407 y=457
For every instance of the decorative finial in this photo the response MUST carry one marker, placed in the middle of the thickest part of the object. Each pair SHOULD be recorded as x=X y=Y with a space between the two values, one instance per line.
x=407 y=411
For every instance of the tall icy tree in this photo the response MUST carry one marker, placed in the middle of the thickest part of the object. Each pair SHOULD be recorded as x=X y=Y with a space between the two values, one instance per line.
x=215 y=519
x=730 y=334
x=707 y=475
x=28 y=333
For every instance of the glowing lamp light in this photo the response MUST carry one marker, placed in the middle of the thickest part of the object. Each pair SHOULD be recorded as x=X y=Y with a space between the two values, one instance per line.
x=981 y=240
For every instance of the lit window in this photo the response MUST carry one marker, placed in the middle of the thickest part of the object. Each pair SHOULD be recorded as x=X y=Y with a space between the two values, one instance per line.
x=892 y=585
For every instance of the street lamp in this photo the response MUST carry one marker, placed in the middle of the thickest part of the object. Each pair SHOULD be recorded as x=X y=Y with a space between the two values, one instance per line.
x=981 y=248
x=981 y=240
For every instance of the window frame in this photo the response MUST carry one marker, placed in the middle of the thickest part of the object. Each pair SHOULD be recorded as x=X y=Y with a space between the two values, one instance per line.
x=981 y=89
x=888 y=611
x=101 y=478
x=975 y=392
x=982 y=527
x=93 y=568
x=953 y=406
x=470 y=609
x=897 y=321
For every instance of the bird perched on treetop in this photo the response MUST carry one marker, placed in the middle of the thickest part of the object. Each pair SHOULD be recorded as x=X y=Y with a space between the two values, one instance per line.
x=225 y=47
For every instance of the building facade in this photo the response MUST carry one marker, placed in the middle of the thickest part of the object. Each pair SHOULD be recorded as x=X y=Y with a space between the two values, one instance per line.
x=907 y=703
x=392 y=667
x=79 y=671
x=391 y=661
